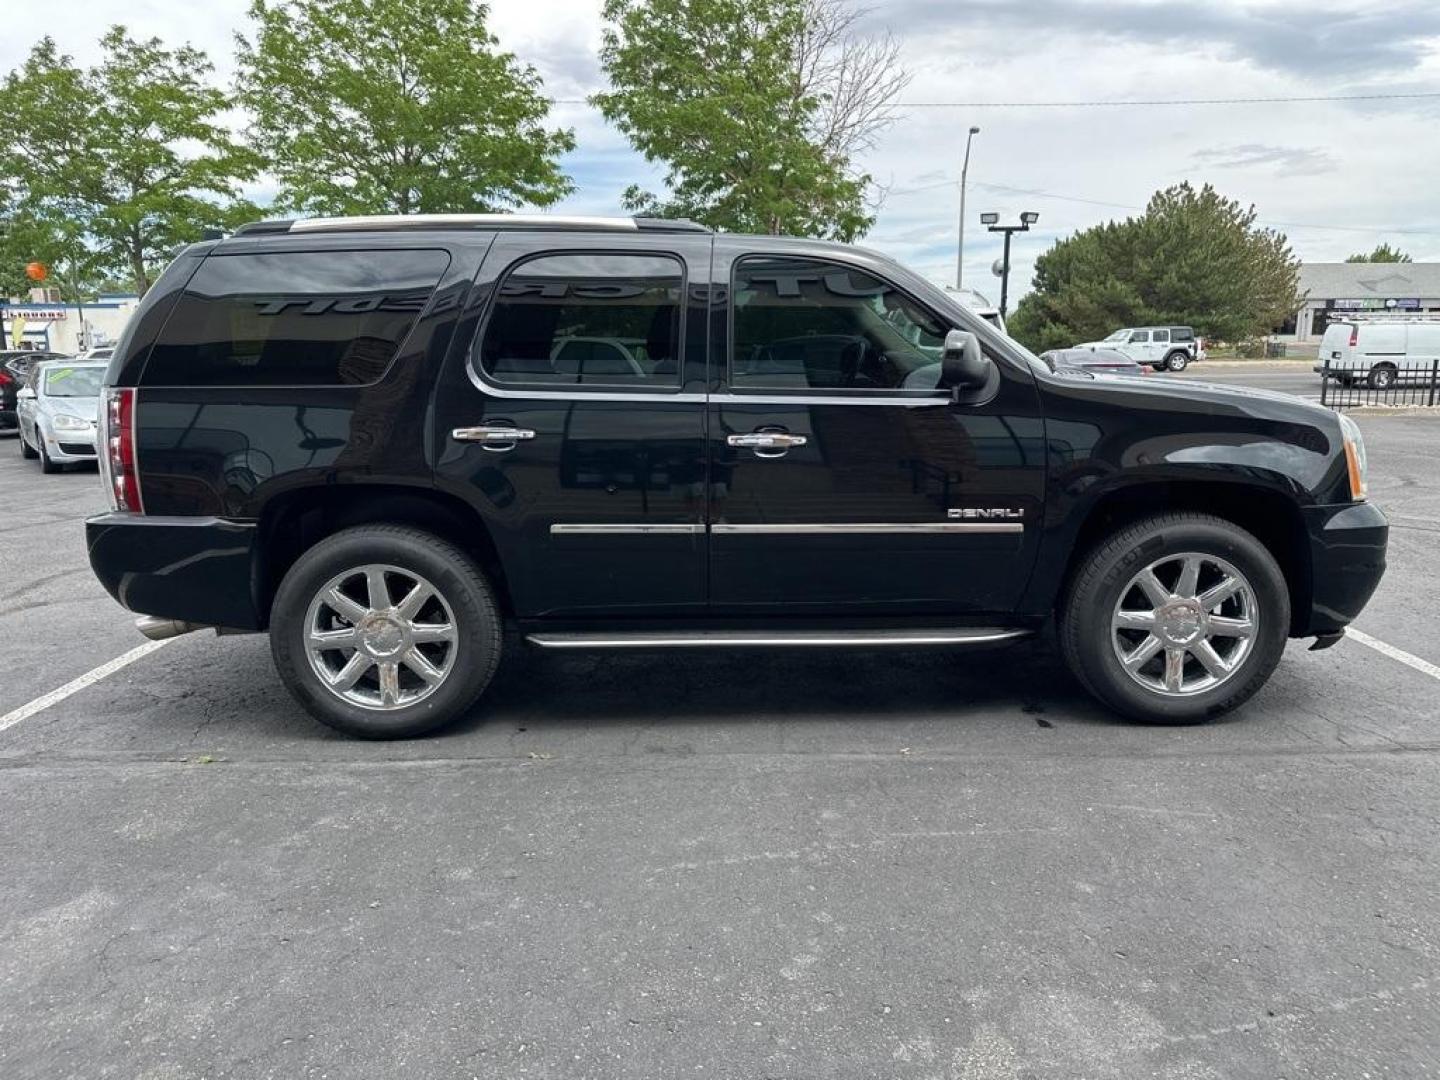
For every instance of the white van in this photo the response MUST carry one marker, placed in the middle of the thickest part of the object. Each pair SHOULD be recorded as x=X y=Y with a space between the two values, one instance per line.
x=1380 y=352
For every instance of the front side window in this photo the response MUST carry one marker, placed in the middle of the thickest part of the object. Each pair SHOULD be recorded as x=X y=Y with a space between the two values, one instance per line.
x=294 y=319
x=587 y=319
x=806 y=324
x=1140 y=337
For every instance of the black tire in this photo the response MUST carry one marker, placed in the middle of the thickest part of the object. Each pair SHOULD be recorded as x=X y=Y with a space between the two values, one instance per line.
x=1160 y=365
x=46 y=465
x=1382 y=376
x=1096 y=589
x=465 y=589
x=26 y=450
x=1177 y=361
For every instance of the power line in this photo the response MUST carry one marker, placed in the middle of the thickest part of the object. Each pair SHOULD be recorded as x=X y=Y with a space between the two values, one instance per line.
x=1131 y=102
x=1008 y=190
x=1161 y=102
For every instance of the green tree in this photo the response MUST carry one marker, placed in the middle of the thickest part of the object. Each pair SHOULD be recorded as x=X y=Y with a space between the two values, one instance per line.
x=1193 y=258
x=396 y=106
x=1382 y=253
x=756 y=108
x=123 y=162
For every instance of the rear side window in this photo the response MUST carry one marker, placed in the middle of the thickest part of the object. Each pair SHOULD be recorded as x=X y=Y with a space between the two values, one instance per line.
x=331 y=318
x=587 y=319
x=1161 y=336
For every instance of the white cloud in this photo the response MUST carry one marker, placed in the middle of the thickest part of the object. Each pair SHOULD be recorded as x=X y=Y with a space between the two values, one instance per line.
x=1340 y=176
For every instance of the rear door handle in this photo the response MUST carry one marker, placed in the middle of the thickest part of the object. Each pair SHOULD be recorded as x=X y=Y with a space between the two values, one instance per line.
x=496 y=437
x=766 y=440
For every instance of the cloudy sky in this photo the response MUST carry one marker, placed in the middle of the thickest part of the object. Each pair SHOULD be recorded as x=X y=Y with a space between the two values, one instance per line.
x=1337 y=177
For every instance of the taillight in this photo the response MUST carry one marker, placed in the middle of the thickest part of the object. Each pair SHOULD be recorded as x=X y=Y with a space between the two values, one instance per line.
x=5 y=379
x=120 y=449
x=1354 y=336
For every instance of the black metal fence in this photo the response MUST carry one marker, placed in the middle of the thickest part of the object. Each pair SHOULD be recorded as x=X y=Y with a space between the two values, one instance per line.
x=1403 y=382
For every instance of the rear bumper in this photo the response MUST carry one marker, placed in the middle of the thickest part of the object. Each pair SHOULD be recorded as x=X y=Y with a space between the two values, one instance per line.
x=1347 y=560
x=198 y=570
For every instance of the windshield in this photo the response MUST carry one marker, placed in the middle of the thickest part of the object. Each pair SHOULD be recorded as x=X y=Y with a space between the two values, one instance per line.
x=1118 y=335
x=74 y=382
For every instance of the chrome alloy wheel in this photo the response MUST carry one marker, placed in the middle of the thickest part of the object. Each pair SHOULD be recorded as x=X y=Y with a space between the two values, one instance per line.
x=380 y=637
x=1184 y=624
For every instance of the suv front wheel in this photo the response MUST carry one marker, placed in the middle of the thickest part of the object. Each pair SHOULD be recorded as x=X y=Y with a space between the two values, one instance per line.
x=1176 y=619
x=385 y=631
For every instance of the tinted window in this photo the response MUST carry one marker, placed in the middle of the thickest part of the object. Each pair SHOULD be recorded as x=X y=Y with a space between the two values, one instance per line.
x=1162 y=336
x=804 y=324
x=300 y=319
x=1139 y=337
x=1182 y=333
x=587 y=320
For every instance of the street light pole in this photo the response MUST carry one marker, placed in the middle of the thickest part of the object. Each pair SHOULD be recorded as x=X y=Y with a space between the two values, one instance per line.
x=992 y=222
x=960 y=248
x=1005 y=276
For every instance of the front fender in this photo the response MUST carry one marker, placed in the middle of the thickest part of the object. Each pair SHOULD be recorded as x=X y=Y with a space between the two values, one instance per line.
x=1176 y=443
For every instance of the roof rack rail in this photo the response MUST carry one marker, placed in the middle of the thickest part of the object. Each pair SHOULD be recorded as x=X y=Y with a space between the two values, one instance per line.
x=388 y=222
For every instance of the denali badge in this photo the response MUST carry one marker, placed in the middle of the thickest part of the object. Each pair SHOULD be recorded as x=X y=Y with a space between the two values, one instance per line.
x=985 y=513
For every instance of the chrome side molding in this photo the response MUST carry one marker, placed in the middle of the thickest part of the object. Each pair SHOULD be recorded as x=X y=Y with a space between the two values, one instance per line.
x=622 y=529
x=843 y=528
x=681 y=639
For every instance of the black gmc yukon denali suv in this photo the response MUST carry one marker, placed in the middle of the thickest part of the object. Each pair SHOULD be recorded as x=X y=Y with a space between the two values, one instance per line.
x=384 y=440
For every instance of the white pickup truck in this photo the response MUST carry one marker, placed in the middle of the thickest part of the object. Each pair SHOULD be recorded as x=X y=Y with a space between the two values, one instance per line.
x=1164 y=348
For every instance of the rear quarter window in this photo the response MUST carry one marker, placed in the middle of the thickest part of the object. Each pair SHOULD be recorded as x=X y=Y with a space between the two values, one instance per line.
x=332 y=318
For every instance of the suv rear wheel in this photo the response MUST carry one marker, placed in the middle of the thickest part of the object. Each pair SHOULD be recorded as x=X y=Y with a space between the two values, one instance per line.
x=1177 y=360
x=385 y=631
x=1176 y=619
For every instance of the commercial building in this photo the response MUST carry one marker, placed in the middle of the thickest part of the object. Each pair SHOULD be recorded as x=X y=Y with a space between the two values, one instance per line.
x=43 y=322
x=1377 y=290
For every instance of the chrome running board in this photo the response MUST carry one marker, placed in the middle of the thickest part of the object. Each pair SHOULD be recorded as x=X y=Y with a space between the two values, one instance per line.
x=685 y=639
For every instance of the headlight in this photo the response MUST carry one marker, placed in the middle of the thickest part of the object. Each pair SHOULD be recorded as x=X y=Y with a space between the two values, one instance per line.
x=66 y=422
x=1356 y=462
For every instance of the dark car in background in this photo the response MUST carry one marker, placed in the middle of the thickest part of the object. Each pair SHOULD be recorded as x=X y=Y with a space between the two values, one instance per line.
x=15 y=365
x=1093 y=362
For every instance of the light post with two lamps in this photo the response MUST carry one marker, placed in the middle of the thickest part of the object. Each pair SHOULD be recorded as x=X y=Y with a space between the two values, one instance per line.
x=992 y=222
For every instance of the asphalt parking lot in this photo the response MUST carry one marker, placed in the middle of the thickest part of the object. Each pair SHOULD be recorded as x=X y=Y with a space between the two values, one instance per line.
x=799 y=865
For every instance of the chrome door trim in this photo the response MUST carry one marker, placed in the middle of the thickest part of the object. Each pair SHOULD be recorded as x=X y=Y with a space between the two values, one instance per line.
x=607 y=529
x=800 y=529
x=912 y=400
x=577 y=393
x=770 y=638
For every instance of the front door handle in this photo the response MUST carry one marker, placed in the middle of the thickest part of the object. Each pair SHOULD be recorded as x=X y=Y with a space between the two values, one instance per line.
x=496 y=437
x=767 y=440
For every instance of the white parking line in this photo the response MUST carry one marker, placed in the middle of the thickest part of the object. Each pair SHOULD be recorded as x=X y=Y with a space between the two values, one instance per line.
x=1422 y=666
x=44 y=701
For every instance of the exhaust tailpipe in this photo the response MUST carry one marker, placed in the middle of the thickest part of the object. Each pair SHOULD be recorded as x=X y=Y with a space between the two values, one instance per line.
x=158 y=629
